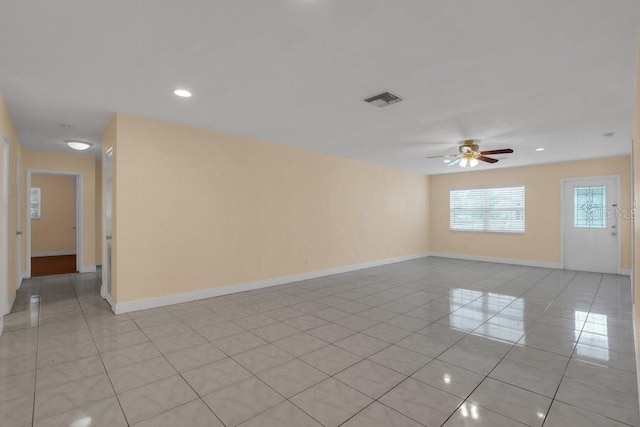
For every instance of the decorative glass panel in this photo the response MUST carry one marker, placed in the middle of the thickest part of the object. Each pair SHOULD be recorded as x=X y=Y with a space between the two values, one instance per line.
x=34 y=203
x=589 y=207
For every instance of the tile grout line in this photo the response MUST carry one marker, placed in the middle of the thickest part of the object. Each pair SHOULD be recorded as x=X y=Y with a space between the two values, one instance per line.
x=100 y=356
x=505 y=355
x=198 y=397
x=571 y=358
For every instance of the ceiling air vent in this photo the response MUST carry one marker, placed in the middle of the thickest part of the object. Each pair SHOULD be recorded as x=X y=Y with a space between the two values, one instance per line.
x=383 y=99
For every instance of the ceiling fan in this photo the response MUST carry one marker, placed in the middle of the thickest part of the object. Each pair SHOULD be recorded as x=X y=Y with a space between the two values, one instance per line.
x=469 y=154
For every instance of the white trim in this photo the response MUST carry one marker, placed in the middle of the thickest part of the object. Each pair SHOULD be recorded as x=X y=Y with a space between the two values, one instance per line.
x=79 y=217
x=143 y=304
x=109 y=299
x=36 y=254
x=98 y=263
x=624 y=271
x=4 y=224
x=87 y=269
x=511 y=261
x=1 y=325
x=19 y=233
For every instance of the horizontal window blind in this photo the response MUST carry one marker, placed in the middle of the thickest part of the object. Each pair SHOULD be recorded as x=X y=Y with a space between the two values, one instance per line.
x=498 y=209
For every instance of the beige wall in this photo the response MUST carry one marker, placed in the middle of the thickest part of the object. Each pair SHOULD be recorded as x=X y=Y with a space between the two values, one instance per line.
x=15 y=153
x=198 y=209
x=98 y=196
x=85 y=165
x=541 y=241
x=55 y=230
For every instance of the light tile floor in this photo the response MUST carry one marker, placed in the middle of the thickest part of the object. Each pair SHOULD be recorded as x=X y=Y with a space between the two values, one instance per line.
x=428 y=342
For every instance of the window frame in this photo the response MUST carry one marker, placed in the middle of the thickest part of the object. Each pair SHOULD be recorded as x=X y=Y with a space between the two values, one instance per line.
x=485 y=210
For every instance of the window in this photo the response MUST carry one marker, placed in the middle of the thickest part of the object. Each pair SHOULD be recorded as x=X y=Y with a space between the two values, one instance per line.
x=589 y=203
x=498 y=209
x=34 y=203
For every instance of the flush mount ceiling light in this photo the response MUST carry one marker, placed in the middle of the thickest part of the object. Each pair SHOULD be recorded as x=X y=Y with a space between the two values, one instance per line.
x=182 y=93
x=539 y=149
x=78 y=145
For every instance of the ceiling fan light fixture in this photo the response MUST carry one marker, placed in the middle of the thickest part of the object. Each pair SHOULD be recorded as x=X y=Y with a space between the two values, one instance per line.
x=464 y=163
x=473 y=162
x=78 y=145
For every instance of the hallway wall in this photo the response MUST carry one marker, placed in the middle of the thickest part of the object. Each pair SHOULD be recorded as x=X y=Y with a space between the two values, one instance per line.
x=15 y=153
x=197 y=209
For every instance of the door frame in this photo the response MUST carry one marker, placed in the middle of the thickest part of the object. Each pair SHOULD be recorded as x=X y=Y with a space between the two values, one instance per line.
x=78 y=209
x=19 y=220
x=103 y=237
x=564 y=181
x=4 y=224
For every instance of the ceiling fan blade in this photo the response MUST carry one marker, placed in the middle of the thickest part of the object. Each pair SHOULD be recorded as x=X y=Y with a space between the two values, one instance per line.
x=504 y=151
x=455 y=162
x=440 y=157
x=487 y=159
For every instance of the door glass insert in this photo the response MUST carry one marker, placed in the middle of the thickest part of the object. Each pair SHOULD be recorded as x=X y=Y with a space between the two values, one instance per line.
x=589 y=207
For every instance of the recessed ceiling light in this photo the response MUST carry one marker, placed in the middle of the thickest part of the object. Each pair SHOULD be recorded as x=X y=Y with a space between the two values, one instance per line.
x=78 y=145
x=182 y=93
x=539 y=149
x=447 y=161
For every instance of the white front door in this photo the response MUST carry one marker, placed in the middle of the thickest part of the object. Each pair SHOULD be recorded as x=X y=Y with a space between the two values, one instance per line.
x=591 y=225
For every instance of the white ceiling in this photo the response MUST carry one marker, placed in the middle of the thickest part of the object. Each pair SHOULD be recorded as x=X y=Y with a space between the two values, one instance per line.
x=514 y=73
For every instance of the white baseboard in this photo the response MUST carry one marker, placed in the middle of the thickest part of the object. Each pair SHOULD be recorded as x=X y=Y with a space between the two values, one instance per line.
x=624 y=271
x=1 y=325
x=35 y=254
x=88 y=269
x=513 y=261
x=147 y=303
x=98 y=263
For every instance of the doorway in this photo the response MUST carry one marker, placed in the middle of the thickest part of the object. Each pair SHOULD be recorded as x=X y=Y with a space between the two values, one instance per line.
x=54 y=222
x=591 y=237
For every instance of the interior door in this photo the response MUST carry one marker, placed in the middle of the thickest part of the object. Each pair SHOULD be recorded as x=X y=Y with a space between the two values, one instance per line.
x=107 y=192
x=4 y=227
x=591 y=225
x=19 y=223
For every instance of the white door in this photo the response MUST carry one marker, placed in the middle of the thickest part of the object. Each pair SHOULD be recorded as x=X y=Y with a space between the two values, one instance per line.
x=107 y=192
x=591 y=225
x=19 y=223
x=4 y=227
